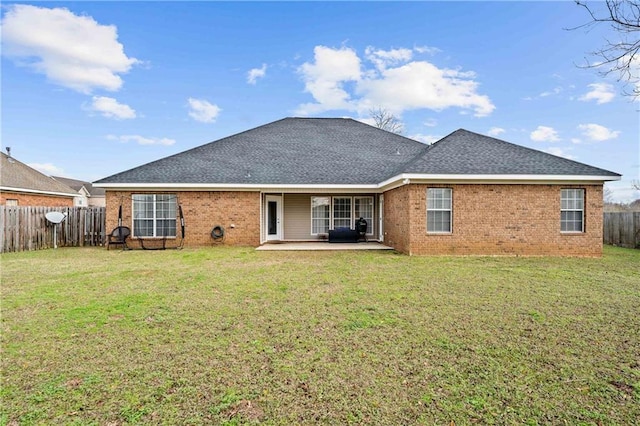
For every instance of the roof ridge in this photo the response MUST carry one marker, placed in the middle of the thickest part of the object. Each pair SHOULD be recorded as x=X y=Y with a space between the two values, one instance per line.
x=419 y=155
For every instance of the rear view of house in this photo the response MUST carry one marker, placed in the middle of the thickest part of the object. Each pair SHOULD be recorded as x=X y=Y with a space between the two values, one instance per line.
x=297 y=178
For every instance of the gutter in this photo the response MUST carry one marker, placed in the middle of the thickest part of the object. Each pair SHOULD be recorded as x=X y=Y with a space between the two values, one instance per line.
x=37 y=191
x=391 y=183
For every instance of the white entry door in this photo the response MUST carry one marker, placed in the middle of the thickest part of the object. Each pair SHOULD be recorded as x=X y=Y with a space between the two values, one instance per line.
x=273 y=219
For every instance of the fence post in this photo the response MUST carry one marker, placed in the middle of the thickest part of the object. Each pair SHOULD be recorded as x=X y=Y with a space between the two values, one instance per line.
x=26 y=228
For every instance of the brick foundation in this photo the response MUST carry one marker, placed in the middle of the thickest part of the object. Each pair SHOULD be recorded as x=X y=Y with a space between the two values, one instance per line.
x=36 y=200
x=202 y=211
x=493 y=220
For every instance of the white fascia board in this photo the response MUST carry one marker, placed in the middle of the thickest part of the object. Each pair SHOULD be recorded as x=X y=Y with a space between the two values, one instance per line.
x=407 y=178
x=37 y=191
x=394 y=182
x=238 y=187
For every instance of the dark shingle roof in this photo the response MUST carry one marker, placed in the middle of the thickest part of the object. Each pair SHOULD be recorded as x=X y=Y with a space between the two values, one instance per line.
x=467 y=153
x=288 y=151
x=14 y=174
x=342 y=151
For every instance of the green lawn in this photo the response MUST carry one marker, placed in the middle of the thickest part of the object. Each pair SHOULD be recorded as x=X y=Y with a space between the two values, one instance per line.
x=235 y=336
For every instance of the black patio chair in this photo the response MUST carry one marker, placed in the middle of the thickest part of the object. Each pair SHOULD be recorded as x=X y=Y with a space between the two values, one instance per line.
x=361 y=228
x=119 y=237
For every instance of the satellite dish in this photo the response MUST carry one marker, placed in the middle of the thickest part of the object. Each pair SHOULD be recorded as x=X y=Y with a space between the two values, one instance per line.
x=55 y=217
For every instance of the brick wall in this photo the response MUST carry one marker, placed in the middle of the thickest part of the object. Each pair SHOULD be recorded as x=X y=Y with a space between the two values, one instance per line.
x=202 y=211
x=397 y=218
x=36 y=200
x=494 y=220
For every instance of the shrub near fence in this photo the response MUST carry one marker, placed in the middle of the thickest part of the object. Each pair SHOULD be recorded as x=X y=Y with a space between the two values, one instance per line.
x=26 y=228
x=622 y=229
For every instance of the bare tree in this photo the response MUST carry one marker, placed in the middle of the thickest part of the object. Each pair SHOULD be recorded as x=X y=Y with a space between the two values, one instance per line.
x=607 y=195
x=385 y=120
x=619 y=56
x=636 y=184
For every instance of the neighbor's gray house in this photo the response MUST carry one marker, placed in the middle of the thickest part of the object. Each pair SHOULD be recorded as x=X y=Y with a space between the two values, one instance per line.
x=297 y=178
x=88 y=196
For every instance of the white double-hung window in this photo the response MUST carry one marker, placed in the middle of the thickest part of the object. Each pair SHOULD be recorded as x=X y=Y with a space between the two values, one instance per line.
x=154 y=215
x=341 y=212
x=439 y=209
x=363 y=208
x=572 y=210
x=320 y=215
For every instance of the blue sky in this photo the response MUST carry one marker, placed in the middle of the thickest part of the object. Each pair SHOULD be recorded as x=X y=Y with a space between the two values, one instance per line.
x=90 y=89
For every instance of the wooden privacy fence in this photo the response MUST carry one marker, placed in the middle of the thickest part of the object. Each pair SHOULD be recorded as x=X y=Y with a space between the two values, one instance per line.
x=26 y=228
x=622 y=229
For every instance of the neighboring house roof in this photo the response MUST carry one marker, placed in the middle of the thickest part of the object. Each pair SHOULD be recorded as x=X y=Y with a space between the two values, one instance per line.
x=339 y=151
x=18 y=177
x=79 y=184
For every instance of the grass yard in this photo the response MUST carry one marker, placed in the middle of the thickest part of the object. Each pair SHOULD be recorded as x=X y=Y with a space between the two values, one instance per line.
x=234 y=336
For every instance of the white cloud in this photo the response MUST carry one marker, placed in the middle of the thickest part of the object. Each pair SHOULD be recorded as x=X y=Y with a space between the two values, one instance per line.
x=597 y=133
x=384 y=58
x=203 y=111
x=428 y=139
x=325 y=78
x=496 y=131
x=141 y=140
x=367 y=120
x=544 y=134
x=427 y=49
x=555 y=91
x=600 y=92
x=255 y=73
x=431 y=122
x=72 y=51
x=576 y=140
x=338 y=80
x=559 y=152
x=420 y=84
x=47 y=168
x=111 y=108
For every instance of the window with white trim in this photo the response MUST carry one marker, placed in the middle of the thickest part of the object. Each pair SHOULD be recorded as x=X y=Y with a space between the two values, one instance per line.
x=572 y=210
x=363 y=208
x=11 y=202
x=320 y=215
x=341 y=212
x=439 y=209
x=154 y=215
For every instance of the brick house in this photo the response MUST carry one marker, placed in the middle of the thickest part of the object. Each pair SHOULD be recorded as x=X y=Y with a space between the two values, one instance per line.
x=297 y=178
x=21 y=185
x=87 y=195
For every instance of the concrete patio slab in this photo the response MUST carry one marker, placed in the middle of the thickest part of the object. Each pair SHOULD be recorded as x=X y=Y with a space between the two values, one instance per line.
x=311 y=246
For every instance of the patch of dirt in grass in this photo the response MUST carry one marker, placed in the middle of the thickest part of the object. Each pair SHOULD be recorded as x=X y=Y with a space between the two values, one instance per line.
x=622 y=387
x=74 y=383
x=246 y=410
